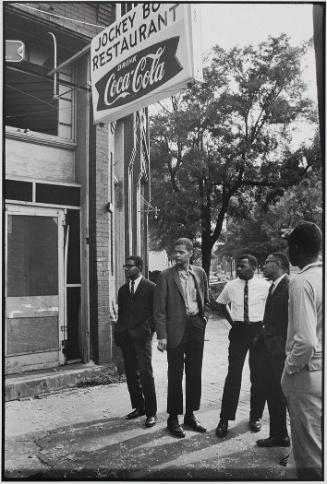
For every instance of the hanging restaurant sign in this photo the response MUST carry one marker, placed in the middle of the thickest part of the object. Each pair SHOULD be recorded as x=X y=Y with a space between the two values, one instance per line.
x=148 y=54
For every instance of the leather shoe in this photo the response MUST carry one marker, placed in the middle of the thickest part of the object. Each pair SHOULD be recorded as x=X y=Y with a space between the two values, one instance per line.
x=274 y=442
x=255 y=425
x=222 y=428
x=194 y=424
x=150 y=421
x=138 y=412
x=174 y=428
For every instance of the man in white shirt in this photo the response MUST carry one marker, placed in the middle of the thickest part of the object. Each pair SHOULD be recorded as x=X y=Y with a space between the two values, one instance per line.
x=247 y=295
x=302 y=376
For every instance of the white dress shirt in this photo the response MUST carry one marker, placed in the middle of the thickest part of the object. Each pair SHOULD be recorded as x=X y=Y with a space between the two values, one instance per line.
x=136 y=283
x=233 y=293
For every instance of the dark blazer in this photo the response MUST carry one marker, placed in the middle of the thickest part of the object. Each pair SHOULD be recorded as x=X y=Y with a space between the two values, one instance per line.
x=135 y=314
x=275 y=319
x=169 y=305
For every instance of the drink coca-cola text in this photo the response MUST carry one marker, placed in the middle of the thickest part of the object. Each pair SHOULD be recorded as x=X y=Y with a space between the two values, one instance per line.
x=148 y=71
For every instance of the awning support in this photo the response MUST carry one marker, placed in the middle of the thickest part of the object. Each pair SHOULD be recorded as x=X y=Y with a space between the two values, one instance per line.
x=70 y=60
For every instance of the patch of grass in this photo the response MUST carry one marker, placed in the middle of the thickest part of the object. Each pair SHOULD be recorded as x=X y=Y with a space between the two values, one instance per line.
x=105 y=379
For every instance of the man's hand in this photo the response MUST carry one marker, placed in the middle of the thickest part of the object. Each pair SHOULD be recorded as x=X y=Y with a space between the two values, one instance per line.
x=162 y=344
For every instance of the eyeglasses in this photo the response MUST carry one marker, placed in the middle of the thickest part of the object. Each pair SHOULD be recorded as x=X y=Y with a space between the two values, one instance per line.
x=127 y=266
x=271 y=260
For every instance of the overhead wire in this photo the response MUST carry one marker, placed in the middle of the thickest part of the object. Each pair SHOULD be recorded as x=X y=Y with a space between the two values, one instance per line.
x=44 y=76
x=22 y=115
x=31 y=95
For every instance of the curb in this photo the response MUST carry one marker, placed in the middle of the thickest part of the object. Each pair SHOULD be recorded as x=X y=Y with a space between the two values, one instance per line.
x=34 y=384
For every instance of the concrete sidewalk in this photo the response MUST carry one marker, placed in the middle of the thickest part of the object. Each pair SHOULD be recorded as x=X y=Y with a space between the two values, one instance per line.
x=82 y=433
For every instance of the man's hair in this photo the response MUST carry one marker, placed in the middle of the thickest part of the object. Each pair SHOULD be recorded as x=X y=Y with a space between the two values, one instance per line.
x=186 y=242
x=251 y=258
x=283 y=259
x=138 y=261
x=307 y=236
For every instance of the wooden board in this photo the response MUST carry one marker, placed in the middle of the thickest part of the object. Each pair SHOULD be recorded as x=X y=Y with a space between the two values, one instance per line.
x=26 y=335
x=37 y=361
x=33 y=161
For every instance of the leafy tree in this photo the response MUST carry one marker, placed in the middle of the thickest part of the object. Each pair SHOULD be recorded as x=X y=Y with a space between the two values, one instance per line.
x=257 y=228
x=222 y=141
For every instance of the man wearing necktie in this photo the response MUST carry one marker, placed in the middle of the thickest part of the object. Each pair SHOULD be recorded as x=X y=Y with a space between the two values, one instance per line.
x=181 y=309
x=272 y=344
x=133 y=333
x=247 y=296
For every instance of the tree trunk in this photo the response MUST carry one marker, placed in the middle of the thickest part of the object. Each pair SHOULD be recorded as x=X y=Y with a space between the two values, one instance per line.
x=207 y=241
x=206 y=253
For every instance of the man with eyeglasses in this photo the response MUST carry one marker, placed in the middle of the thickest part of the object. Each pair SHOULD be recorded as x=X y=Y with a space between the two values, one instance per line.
x=272 y=347
x=247 y=296
x=133 y=333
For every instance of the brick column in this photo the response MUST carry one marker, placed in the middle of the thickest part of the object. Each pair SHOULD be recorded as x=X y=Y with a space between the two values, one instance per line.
x=101 y=338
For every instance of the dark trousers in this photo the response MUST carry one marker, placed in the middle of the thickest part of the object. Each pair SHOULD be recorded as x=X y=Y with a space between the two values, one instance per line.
x=242 y=339
x=139 y=374
x=190 y=353
x=271 y=369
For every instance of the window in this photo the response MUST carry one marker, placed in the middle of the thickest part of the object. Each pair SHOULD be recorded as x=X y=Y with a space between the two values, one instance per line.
x=29 y=102
x=30 y=97
x=126 y=7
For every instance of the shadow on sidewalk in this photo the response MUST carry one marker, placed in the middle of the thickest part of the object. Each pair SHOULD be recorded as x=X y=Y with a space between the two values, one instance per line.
x=119 y=449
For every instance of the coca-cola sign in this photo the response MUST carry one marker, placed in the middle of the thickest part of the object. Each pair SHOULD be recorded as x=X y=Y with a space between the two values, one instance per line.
x=146 y=55
x=138 y=75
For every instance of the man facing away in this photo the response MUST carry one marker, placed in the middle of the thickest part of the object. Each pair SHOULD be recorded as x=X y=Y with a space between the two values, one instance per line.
x=302 y=376
x=272 y=347
x=247 y=295
x=133 y=333
x=180 y=313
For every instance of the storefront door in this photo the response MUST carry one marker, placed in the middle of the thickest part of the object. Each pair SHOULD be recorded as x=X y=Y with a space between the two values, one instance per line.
x=34 y=288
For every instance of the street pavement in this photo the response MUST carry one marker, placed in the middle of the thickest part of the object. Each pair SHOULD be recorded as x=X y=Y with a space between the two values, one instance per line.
x=82 y=433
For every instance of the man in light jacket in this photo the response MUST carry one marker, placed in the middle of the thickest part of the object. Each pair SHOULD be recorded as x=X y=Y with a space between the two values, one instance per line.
x=302 y=376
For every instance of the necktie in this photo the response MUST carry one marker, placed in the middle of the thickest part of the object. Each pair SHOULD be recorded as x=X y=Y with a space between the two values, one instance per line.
x=132 y=287
x=246 y=302
x=271 y=289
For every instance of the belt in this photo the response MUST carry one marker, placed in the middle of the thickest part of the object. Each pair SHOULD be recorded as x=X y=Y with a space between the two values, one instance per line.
x=193 y=315
x=243 y=323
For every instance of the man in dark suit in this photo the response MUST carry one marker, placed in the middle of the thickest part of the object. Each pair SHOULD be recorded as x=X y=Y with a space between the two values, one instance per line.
x=133 y=333
x=272 y=345
x=181 y=308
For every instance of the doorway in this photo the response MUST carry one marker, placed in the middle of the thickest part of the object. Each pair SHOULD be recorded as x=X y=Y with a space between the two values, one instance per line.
x=34 y=289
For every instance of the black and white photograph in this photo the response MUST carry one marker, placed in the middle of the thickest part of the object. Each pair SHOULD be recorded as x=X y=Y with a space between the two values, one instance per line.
x=163 y=240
